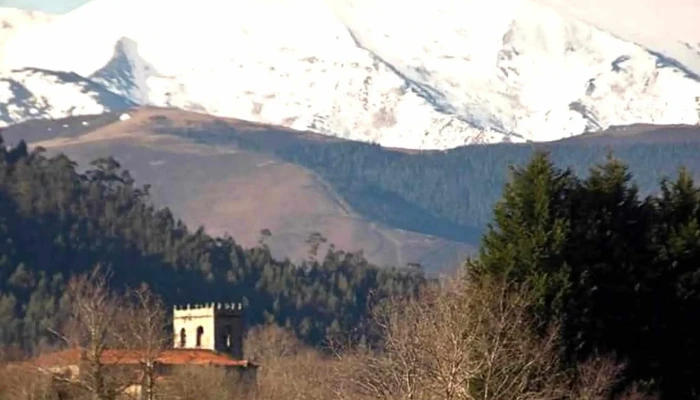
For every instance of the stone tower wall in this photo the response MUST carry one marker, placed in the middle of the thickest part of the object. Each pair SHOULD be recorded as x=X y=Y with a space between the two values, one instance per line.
x=220 y=327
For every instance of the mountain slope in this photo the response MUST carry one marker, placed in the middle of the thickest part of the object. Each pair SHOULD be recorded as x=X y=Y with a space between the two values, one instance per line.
x=56 y=223
x=674 y=32
x=504 y=70
x=232 y=190
x=399 y=206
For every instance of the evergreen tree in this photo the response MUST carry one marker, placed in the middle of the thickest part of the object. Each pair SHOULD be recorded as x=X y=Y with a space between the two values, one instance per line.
x=609 y=257
x=526 y=243
x=621 y=273
x=673 y=291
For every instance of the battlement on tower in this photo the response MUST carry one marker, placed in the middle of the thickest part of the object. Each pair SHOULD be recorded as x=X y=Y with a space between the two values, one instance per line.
x=208 y=309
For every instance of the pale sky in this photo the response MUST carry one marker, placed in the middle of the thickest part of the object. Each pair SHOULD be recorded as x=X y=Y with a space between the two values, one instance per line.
x=661 y=25
x=656 y=15
x=51 y=6
x=676 y=18
x=656 y=24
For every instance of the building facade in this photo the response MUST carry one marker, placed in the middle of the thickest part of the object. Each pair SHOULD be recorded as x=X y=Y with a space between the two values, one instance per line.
x=216 y=327
x=206 y=335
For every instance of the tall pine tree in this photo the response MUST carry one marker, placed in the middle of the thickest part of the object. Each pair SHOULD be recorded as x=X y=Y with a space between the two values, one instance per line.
x=608 y=252
x=526 y=242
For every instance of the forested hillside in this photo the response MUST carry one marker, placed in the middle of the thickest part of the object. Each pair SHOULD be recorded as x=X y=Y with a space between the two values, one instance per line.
x=585 y=286
x=56 y=222
x=445 y=193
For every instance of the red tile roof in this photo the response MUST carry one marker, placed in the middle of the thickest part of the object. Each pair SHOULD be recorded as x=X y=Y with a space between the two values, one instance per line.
x=167 y=357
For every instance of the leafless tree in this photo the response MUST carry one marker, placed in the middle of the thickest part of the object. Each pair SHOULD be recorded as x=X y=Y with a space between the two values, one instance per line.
x=289 y=369
x=196 y=382
x=462 y=341
x=94 y=325
x=594 y=380
x=271 y=342
x=144 y=333
x=20 y=382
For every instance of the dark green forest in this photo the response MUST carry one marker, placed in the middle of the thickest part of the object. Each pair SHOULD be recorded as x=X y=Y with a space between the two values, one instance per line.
x=618 y=271
x=56 y=223
x=450 y=193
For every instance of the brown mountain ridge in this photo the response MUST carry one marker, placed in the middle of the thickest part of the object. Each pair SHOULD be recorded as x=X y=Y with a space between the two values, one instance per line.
x=232 y=190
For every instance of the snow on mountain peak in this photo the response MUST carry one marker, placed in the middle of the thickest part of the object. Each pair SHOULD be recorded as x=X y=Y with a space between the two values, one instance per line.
x=670 y=32
x=32 y=93
x=420 y=74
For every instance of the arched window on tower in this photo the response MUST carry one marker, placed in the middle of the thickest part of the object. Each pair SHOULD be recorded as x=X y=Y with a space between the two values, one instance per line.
x=183 y=338
x=200 y=333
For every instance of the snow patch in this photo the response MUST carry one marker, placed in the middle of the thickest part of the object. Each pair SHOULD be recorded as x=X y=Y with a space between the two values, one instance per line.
x=639 y=21
x=34 y=93
x=476 y=71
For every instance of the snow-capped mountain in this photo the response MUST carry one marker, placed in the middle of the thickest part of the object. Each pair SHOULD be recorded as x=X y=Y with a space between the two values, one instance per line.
x=423 y=74
x=31 y=93
x=672 y=30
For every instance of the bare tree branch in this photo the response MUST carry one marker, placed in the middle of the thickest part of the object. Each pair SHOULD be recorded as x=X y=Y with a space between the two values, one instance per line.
x=95 y=324
x=144 y=332
x=462 y=341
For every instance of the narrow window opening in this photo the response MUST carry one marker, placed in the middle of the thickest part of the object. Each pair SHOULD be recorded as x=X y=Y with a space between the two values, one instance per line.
x=229 y=340
x=200 y=333
x=183 y=337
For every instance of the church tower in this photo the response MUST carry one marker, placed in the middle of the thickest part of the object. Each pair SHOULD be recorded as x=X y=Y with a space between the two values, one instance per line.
x=216 y=327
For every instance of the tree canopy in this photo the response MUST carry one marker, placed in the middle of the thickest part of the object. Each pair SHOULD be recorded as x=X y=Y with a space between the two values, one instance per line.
x=621 y=272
